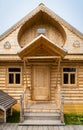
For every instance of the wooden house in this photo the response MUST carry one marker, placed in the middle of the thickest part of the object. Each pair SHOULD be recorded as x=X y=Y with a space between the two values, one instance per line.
x=41 y=58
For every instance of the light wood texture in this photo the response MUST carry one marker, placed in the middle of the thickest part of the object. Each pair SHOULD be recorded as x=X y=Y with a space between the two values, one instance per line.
x=15 y=126
x=14 y=91
x=42 y=107
x=42 y=57
x=72 y=95
x=41 y=83
x=73 y=108
x=32 y=33
x=58 y=70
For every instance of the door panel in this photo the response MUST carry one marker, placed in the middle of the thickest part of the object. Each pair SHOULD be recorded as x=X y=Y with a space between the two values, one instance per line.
x=41 y=83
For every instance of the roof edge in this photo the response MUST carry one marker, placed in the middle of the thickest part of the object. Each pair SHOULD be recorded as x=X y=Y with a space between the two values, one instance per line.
x=37 y=38
x=41 y=7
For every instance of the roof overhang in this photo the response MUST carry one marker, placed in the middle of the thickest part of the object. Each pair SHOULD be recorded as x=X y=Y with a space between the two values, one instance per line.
x=39 y=41
x=41 y=8
x=9 y=58
x=74 y=57
x=6 y=101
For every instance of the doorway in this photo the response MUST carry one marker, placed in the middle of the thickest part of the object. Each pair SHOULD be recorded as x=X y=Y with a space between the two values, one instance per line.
x=41 y=83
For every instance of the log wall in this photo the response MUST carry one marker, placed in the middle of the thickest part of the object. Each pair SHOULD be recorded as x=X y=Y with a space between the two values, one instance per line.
x=14 y=91
x=73 y=95
x=54 y=96
x=51 y=32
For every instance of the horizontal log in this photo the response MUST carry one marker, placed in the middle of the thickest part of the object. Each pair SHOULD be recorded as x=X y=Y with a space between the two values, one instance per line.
x=71 y=92
x=74 y=101
x=2 y=82
x=42 y=57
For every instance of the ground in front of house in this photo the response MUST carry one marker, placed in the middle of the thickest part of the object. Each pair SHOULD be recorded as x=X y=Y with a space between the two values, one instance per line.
x=15 y=126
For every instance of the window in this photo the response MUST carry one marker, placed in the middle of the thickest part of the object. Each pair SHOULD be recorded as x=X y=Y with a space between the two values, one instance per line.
x=69 y=76
x=41 y=30
x=14 y=76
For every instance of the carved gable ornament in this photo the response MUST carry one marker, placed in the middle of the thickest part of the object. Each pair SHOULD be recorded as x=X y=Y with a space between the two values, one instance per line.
x=7 y=45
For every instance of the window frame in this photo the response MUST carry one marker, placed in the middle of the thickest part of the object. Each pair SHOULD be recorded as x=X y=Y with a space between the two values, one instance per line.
x=14 y=73
x=69 y=73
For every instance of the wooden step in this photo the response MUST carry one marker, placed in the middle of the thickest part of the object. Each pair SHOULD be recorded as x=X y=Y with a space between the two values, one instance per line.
x=42 y=108
x=42 y=122
x=41 y=116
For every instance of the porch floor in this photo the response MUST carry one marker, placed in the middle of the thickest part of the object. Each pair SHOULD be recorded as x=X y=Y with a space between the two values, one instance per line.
x=42 y=107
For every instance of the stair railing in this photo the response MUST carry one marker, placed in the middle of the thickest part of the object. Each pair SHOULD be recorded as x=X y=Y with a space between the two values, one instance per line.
x=60 y=102
x=62 y=108
x=22 y=105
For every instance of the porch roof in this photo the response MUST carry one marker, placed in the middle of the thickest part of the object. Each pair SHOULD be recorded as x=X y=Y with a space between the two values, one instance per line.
x=39 y=41
x=9 y=57
x=6 y=101
x=74 y=57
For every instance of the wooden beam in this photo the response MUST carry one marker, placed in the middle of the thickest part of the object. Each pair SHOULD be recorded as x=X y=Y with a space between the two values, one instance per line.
x=25 y=71
x=58 y=71
x=21 y=109
x=5 y=116
x=42 y=57
x=11 y=111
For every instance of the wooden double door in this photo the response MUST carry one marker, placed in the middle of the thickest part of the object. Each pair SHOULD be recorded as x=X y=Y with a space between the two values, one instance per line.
x=41 y=83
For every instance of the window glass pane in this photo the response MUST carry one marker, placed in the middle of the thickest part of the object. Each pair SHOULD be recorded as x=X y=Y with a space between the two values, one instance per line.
x=72 y=69
x=11 y=78
x=66 y=69
x=14 y=70
x=72 y=78
x=41 y=30
x=17 y=79
x=69 y=69
x=66 y=78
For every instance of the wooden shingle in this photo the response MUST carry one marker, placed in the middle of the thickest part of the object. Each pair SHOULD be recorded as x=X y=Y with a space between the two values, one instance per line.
x=6 y=101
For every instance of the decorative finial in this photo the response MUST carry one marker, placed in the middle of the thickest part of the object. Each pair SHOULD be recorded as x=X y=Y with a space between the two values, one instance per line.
x=41 y=4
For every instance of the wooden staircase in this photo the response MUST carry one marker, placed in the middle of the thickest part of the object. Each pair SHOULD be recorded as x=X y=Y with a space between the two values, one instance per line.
x=42 y=114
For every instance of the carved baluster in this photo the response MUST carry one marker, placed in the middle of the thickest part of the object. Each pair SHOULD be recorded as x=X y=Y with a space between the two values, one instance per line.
x=21 y=109
x=62 y=108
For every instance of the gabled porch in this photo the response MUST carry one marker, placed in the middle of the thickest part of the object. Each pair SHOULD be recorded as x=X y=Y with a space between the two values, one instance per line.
x=46 y=103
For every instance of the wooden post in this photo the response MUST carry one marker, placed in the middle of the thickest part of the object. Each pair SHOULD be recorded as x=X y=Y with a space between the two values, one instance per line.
x=26 y=85
x=58 y=70
x=11 y=111
x=60 y=97
x=25 y=71
x=21 y=109
x=57 y=88
x=5 y=116
x=62 y=108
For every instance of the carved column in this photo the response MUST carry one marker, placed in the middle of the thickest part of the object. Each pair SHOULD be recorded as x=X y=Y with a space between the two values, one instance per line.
x=57 y=89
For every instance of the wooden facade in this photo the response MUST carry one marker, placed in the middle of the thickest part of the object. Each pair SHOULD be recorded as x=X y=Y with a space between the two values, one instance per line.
x=41 y=59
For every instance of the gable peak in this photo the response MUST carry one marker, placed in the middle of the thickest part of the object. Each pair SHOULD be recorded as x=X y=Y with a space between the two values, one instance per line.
x=41 y=4
x=42 y=8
